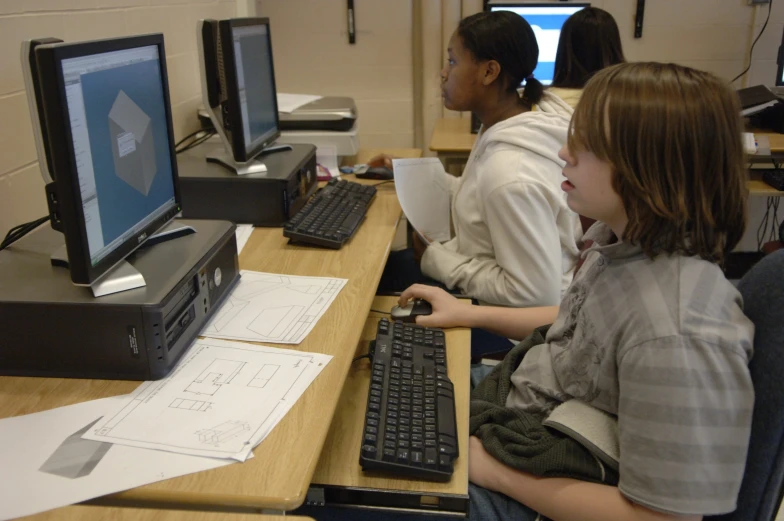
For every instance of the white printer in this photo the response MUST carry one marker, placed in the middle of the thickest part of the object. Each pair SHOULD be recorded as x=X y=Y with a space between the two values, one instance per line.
x=327 y=122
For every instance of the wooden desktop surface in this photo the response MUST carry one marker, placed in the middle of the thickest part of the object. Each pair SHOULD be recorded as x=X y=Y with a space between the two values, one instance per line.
x=452 y=135
x=279 y=475
x=339 y=463
x=91 y=513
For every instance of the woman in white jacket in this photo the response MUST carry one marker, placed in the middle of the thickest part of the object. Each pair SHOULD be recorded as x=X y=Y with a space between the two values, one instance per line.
x=515 y=240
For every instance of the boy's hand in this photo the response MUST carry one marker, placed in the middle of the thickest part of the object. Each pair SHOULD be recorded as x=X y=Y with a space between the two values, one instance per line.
x=447 y=310
x=483 y=469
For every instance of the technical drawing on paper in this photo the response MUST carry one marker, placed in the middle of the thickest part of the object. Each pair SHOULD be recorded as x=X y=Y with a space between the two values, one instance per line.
x=220 y=433
x=264 y=375
x=219 y=372
x=190 y=405
x=274 y=308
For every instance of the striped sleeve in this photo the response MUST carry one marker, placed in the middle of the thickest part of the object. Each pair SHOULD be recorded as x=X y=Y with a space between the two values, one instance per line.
x=684 y=421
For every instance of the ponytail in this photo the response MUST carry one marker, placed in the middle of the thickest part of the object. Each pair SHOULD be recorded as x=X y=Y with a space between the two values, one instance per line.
x=532 y=93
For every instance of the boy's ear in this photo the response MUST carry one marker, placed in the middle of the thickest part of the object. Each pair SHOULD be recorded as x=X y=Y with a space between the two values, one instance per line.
x=491 y=71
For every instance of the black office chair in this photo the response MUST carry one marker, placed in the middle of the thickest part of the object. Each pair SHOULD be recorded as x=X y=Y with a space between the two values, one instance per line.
x=763 y=299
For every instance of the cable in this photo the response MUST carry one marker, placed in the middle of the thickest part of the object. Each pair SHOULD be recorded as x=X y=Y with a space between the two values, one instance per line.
x=367 y=355
x=183 y=140
x=384 y=182
x=17 y=232
x=379 y=311
x=751 y=51
x=196 y=142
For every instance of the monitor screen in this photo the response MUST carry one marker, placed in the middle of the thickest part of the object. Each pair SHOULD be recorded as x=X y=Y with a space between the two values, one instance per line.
x=119 y=130
x=546 y=20
x=255 y=84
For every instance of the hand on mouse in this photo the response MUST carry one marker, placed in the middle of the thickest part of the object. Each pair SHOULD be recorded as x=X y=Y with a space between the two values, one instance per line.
x=381 y=160
x=447 y=310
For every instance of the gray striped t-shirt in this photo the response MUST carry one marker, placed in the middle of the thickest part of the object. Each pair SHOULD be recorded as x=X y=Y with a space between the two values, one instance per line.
x=664 y=345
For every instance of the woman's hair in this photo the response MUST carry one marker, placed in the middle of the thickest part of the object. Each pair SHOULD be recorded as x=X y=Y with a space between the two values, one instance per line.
x=673 y=137
x=589 y=42
x=507 y=38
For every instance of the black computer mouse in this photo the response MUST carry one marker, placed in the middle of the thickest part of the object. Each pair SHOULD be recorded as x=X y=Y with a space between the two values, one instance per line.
x=415 y=308
x=377 y=172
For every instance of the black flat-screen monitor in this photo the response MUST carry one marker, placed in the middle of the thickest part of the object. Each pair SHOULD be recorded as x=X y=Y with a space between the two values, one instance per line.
x=109 y=126
x=780 y=64
x=239 y=83
x=546 y=19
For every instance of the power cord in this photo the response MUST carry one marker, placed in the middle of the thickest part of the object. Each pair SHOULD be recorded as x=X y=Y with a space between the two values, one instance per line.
x=751 y=51
x=17 y=232
x=196 y=142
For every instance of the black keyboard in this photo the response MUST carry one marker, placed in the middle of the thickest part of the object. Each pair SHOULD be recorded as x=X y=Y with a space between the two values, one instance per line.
x=410 y=428
x=774 y=177
x=332 y=215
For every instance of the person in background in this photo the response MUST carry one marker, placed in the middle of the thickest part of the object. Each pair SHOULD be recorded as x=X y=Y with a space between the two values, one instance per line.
x=589 y=42
x=515 y=240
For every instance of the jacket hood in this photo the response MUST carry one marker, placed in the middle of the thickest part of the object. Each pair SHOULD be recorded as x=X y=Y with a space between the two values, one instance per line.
x=542 y=130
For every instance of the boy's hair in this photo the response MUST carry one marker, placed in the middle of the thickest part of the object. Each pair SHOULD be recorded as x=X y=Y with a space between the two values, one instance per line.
x=507 y=38
x=589 y=42
x=673 y=137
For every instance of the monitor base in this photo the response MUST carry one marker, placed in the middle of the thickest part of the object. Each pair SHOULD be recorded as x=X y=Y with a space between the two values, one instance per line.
x=254 y=166
x=123 y=276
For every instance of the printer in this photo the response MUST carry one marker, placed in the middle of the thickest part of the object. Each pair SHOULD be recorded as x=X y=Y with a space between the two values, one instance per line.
x=329 y=113
x=328 y=122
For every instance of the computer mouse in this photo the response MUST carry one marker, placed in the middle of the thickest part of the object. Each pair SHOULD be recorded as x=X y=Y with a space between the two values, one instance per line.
x=415 y=308
x=376 y=172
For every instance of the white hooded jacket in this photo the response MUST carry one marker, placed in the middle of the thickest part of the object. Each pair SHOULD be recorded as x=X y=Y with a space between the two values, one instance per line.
x=515 y=241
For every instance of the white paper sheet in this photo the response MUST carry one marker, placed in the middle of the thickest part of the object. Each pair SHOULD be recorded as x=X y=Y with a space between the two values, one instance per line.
x=220 y=401
x=243 y=234
x=46 y=465
x=291 y=102
x=265 y=307
x=423 y=192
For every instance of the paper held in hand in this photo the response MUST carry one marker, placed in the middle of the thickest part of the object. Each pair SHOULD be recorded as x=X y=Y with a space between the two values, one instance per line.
x=423 y=189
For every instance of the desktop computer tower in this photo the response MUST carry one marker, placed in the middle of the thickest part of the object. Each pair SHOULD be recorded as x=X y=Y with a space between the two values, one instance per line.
x=211 y=191
x=50 y=327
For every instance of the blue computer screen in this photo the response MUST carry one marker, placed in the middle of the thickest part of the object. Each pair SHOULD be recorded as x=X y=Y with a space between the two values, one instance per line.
x=546 y=21
x=121 y=144
x=256 y=83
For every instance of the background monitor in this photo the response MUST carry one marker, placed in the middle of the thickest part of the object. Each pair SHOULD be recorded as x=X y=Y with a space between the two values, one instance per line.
x=780 y=64
x=546 y=19
x=108 y=121
x=238 y=83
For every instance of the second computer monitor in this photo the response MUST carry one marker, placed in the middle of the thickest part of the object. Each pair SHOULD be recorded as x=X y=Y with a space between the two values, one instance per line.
x=546 y=19
x=249 y=74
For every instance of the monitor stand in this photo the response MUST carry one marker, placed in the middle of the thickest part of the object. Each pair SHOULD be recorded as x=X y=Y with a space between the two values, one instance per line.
x=123 y=276
x=254 y=166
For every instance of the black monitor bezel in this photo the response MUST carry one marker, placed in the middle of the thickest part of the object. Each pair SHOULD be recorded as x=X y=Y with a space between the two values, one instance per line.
x=780 y=63
x=226 y=35
x=66 y=177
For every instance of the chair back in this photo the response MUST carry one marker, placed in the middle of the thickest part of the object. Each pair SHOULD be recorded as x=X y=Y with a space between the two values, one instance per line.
x=763 y=302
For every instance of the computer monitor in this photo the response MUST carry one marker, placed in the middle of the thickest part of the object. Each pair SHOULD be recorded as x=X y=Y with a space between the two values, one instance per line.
x=109 y=128
x=546 y=19
x=238 y=88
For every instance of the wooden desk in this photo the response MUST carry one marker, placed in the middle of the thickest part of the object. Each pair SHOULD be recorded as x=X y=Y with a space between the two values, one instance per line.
x=338 y=474
x=277 y=478
x=88 y=513
x=452 y=140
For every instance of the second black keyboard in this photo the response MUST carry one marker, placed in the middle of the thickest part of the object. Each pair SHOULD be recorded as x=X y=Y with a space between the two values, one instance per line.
x=410 y=428
x=332 y=215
